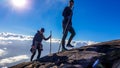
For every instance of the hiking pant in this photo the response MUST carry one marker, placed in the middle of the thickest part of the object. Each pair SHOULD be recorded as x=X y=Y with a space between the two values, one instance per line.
x=38 y=47
x=65 y=32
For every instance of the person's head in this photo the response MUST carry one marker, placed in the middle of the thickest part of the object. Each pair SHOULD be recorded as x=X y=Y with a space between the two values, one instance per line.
x=71 y=3
x=42 y=30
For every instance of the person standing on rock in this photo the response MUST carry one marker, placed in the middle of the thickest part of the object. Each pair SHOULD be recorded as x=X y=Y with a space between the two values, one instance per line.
x=67 y=25
x=37 y=43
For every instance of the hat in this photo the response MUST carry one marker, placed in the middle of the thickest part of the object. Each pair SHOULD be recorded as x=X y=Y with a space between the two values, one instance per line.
x=42 y=29
x=71 y=1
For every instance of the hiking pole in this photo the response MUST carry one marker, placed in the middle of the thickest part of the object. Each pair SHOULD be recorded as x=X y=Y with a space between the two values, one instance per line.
x=64 y=32
x=50 y=42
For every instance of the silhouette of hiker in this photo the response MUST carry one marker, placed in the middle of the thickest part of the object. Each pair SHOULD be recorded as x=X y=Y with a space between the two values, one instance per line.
x=67 y=25
x=37 y=43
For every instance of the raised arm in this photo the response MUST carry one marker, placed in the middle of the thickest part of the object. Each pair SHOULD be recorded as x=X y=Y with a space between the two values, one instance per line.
x=46 y=38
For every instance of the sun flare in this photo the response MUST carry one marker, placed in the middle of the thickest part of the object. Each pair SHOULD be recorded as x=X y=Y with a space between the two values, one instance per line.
x=19 y=3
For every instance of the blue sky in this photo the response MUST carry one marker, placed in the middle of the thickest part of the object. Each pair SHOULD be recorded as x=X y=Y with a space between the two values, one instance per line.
x=96 y=20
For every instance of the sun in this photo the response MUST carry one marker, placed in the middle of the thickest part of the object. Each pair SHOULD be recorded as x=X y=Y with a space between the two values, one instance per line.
x=19 y=3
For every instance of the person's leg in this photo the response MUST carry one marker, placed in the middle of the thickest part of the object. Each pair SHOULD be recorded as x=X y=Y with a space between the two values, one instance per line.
x=63 y=39
x=39 y=53
x=65 y=32
x=33 y=54
x=33 y=51
x=40 y=48
x=72 y=31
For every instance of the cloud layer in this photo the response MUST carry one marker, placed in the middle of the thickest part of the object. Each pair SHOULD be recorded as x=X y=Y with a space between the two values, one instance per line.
x=13 y=59
x=2 y=52
x=12 y=36
x=21 y=44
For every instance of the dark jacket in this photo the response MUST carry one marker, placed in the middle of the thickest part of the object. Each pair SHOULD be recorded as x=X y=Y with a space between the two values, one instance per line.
x=38 y=37
x=67 y=13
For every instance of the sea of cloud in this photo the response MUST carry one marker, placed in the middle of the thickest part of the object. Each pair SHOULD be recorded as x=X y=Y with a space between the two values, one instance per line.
x=15 y=48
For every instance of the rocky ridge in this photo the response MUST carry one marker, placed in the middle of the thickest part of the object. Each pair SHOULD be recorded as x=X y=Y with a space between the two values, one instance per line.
x=100 y=55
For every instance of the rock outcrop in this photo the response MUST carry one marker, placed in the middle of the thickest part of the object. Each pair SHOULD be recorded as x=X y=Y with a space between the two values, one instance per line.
x=101 y=55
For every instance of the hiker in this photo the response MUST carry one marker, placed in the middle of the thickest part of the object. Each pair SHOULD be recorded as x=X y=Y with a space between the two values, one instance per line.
x=37 y=43
x=67 y=25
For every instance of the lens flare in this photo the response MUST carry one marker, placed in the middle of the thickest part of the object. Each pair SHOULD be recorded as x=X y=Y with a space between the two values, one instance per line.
x=19 y=3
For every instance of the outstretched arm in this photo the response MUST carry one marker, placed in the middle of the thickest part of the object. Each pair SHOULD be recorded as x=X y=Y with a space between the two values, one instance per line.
x=46 y=38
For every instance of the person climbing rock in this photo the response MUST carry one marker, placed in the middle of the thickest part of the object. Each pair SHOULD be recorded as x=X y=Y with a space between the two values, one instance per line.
x=67 y=25
x=37 y=43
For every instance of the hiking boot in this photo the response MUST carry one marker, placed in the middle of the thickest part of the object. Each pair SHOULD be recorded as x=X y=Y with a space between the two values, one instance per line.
x=64 y=49
x=69 y=45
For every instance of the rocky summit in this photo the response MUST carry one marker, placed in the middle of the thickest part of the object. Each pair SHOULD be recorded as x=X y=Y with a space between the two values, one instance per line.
x=100 y=55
